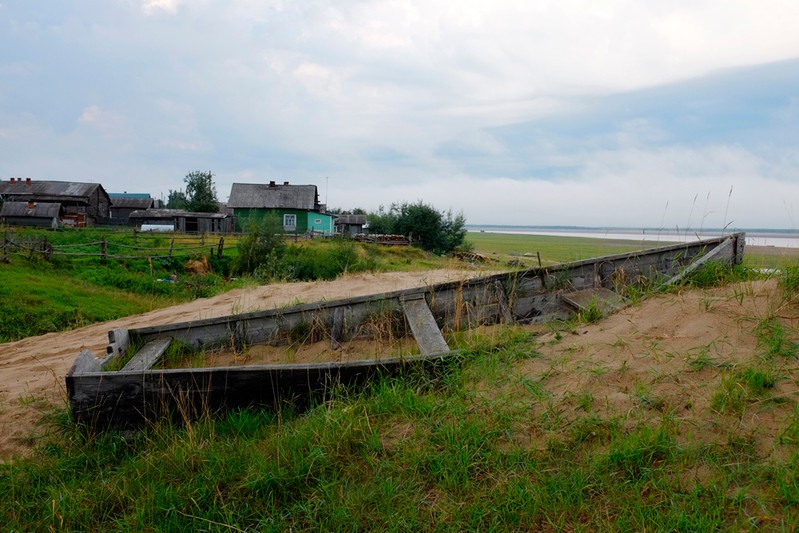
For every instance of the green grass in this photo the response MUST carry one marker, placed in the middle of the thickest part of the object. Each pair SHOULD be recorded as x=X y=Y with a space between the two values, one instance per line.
x=39 y=296
x=409 y=453
x=553 y=249
x=36 y=300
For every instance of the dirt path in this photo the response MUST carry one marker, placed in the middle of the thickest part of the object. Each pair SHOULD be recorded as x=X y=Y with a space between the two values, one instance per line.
x=32 y=370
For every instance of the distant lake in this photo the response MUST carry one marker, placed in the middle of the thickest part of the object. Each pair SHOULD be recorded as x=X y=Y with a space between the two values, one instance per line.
x=754 y=237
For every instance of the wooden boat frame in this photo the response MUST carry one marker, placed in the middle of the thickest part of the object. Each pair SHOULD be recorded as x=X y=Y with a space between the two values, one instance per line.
x=100 y=397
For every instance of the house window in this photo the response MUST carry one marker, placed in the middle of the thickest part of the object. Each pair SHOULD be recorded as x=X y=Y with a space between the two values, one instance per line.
x=289 y=222
x=317 y=221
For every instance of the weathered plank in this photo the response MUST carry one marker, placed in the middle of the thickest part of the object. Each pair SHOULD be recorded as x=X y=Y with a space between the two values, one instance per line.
x=86 y=362
x=724 y=252
x=148 y=355
x=424 y=327
x=604 y=300
x=507 y=316
x=126 y=399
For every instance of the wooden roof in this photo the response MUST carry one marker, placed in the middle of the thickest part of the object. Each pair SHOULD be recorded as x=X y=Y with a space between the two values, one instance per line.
x=30 y=209
x=129 y=202
x=273 y=196
x=49 y=189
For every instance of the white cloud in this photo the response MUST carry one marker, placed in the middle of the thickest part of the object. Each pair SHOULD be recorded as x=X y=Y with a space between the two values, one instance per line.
x=100 y=119
x=150 y=7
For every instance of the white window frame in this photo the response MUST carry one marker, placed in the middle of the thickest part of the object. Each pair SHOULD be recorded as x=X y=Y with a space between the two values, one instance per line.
x=290 y=222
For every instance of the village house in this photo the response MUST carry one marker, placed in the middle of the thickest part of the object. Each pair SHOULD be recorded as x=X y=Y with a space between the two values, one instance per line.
x=123 y=204
x=296 y=207
x=80 y=204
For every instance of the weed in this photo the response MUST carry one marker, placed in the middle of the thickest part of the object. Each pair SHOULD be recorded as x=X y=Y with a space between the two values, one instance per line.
x=592 y=313
x=716 y=273
x=731 y=397
x=702 y=359
x=585 y=400
x=773 y=339
x=790 y=281
x=790 y=435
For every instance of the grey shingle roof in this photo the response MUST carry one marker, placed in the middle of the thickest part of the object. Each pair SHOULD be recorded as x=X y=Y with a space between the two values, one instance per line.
x=266 y=196
x=22 y=209
x=131 y=202
x=48 y=189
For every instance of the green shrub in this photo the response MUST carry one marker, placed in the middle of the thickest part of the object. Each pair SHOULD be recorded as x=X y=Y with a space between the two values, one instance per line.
x=262 y=245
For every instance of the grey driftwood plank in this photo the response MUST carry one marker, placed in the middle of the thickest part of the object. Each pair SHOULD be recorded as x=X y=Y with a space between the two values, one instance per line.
x=424 y=327
x=605 y=300
x=148 y=355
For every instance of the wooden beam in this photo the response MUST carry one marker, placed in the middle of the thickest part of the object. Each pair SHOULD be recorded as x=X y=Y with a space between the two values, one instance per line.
x=147 y=356
x=719 y=252
x=423 y=326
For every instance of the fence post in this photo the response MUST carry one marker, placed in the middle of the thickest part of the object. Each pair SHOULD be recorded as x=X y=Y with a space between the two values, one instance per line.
x=5 y=247
x=220 y=247
x=47 y=248
x=103 y=248
x=171 y=245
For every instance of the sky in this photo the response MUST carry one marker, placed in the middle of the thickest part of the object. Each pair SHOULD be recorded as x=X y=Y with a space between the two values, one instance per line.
x=625 y=113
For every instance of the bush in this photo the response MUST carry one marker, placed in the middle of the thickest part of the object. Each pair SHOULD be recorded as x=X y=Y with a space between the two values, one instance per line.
x=431 y=230
x=263 y=245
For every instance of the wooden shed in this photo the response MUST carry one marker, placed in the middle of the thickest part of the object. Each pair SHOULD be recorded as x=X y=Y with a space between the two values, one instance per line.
x=184 y=221
x=37 y=214
x=83 y=204
x=123 y=204
x=350 y=225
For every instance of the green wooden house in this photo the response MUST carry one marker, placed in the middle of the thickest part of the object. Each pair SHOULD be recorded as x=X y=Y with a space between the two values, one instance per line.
x=297 y=207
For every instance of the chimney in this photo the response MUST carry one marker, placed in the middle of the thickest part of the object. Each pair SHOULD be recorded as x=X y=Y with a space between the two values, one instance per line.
x=285 y=183
x=12 y=180
x=27 y=181
x=31 y=204
x=271 y=183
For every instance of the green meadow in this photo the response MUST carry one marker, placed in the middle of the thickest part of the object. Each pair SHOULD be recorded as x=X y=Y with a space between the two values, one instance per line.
x=555 y=249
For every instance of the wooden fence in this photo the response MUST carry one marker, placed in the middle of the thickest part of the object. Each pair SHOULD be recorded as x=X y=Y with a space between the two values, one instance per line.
x=108 y=249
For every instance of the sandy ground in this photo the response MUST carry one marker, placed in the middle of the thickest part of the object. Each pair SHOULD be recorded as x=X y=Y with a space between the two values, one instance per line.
x=32 y=370
x=674 y=356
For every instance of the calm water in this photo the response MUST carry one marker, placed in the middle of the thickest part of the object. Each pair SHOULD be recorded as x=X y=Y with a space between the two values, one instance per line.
x=754 y=237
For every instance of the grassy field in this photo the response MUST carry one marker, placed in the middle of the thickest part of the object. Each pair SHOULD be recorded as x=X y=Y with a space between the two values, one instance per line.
x=75 y=286
x=555 y=249
x=552 y=249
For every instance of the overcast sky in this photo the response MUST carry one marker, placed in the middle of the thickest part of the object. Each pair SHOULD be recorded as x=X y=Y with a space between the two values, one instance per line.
x=659 y=113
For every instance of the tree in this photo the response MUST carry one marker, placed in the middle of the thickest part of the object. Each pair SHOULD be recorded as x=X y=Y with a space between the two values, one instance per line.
x=428 y=228
x=176 y=200
x=201 y=192
x=383 y=222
